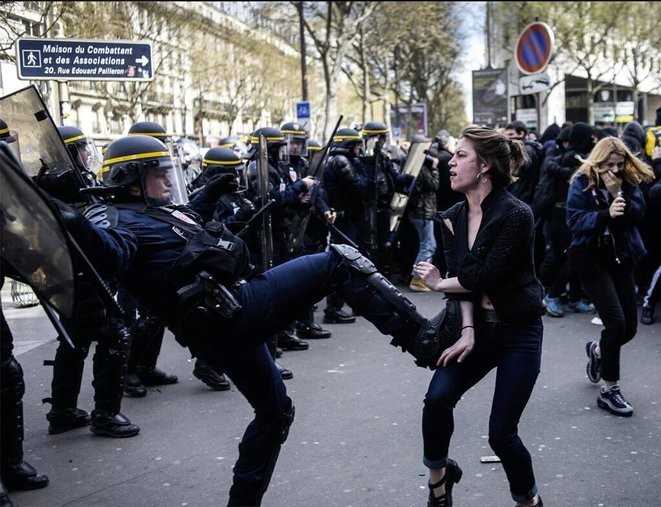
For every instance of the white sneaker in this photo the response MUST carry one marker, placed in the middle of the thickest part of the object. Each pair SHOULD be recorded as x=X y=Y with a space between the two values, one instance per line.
x=597 y=321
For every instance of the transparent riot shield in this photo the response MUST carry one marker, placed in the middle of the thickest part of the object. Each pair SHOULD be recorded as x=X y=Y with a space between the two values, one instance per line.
x=42 y=148
x=32 y=240
x=412 y=166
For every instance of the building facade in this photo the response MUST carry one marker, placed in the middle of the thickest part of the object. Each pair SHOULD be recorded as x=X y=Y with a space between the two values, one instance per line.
x=176 y=98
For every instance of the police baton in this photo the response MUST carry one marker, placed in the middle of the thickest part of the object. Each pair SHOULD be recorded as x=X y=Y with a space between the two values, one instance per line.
x=257 y=215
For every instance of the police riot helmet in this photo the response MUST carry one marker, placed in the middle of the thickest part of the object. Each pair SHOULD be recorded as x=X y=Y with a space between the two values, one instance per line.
x=296 y=136
x=11 y=138
x=230 y=142
x=374 y=132
x=143 y=163
x=314 y=146
x=275 y=142
x=221 y=161
x=150 y=128
x=82 y=149
x=347 y=138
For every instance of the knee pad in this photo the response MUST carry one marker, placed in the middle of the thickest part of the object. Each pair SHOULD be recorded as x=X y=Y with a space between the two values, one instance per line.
x=116 y=340
x=12 y=385
x=354 y=259
x=361 y=265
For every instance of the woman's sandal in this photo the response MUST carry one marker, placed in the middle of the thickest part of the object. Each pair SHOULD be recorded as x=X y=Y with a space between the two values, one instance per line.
x=452 y=476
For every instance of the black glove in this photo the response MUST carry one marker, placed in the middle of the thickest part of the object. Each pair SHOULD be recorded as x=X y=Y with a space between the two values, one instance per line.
x=219 y=185
x=72 y=218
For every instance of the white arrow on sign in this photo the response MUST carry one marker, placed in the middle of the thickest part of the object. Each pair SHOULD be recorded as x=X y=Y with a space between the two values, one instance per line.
x=143 y=60
x=534 y=83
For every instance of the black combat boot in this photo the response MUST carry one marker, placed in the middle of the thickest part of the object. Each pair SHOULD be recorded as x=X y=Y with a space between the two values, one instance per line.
x=216 y=380
x=334 y=314
x=287 y=340
x=156 y=377
x=311 y=331
x=61 y=420
x=67 y=377
x=112 y=425
x=134 y=387
x=16 y=474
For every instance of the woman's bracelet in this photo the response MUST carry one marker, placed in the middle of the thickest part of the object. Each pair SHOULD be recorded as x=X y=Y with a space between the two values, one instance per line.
x=466 y=327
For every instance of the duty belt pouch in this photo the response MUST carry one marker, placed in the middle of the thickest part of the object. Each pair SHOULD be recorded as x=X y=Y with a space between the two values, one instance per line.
x=205 y=296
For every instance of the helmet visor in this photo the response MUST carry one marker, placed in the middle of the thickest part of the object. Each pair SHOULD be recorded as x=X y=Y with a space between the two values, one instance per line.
x=370 y=145
x=163 y=183
x=296 y=146
x=88 y=156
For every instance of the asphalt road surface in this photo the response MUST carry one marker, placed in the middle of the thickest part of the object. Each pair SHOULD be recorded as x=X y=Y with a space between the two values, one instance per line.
x=357 y=436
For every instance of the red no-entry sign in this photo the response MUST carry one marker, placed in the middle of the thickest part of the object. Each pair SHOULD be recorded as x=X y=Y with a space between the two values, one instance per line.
x=534 y=48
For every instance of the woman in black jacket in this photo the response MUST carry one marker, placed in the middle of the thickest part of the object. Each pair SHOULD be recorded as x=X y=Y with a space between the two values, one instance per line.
x=604 y=207
x=488 y=243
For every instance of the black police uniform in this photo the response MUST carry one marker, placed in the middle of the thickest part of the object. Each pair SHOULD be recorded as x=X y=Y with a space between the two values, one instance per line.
x=146 y=330
x=384 y=179
x=193 y=278
x=14 y=472
x=308 y=232
x=346 y=186
x=286 y=189
x=91 y=324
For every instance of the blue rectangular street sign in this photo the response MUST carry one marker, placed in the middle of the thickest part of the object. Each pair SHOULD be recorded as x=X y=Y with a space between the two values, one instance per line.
x=89 y=60
x=303 y=110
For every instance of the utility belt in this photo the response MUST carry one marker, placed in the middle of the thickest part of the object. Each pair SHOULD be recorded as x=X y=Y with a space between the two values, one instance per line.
x=202 y=299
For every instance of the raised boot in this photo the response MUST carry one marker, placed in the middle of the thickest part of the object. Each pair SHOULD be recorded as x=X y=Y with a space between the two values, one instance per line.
x=215 y=379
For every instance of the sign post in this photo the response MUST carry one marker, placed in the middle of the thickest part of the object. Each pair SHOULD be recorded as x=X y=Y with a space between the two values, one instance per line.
x=532 y=54
x=303 y=113
x=84 y=60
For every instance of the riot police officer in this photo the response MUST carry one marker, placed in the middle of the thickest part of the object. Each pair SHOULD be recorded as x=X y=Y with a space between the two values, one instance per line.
x=291 y=195
x=147 y=332
x=383 y=180
x=111 y=353
x=15 y=473
x=311 y=231
x=227 y=205
x=194 y=278
x=346 y=185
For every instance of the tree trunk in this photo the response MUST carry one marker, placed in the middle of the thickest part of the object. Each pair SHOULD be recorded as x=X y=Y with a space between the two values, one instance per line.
x=590 y=104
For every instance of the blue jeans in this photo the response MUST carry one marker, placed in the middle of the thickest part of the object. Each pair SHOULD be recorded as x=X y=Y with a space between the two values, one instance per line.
x=515 y=350
x=425 y=229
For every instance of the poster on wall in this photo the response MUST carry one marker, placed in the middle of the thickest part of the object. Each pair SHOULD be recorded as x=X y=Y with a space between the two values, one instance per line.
x=490 y=97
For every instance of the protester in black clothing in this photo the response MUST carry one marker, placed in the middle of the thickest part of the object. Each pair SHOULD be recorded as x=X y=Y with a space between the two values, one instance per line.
x=556 y=273
x=525 y=177
x=445 y=196
x=604 y=207
x=652 y=193
x=488 y=240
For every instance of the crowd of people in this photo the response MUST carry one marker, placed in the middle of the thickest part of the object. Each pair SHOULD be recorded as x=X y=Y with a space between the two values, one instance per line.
x=258 y=238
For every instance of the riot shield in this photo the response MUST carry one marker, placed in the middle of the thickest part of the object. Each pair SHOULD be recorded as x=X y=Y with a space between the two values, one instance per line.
x=412 y=166
x=32 y=240
x=266 y=235
x=42 y=148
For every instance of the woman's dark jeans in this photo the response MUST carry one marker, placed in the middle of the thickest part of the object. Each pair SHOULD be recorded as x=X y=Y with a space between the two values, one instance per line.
x=515 y=350
x=611 y=287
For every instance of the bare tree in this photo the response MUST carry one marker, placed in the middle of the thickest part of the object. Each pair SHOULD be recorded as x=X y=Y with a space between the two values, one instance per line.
x=333 y=26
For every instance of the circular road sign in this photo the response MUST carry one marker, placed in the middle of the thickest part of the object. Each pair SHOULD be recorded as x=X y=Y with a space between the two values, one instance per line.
x=534 y=48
